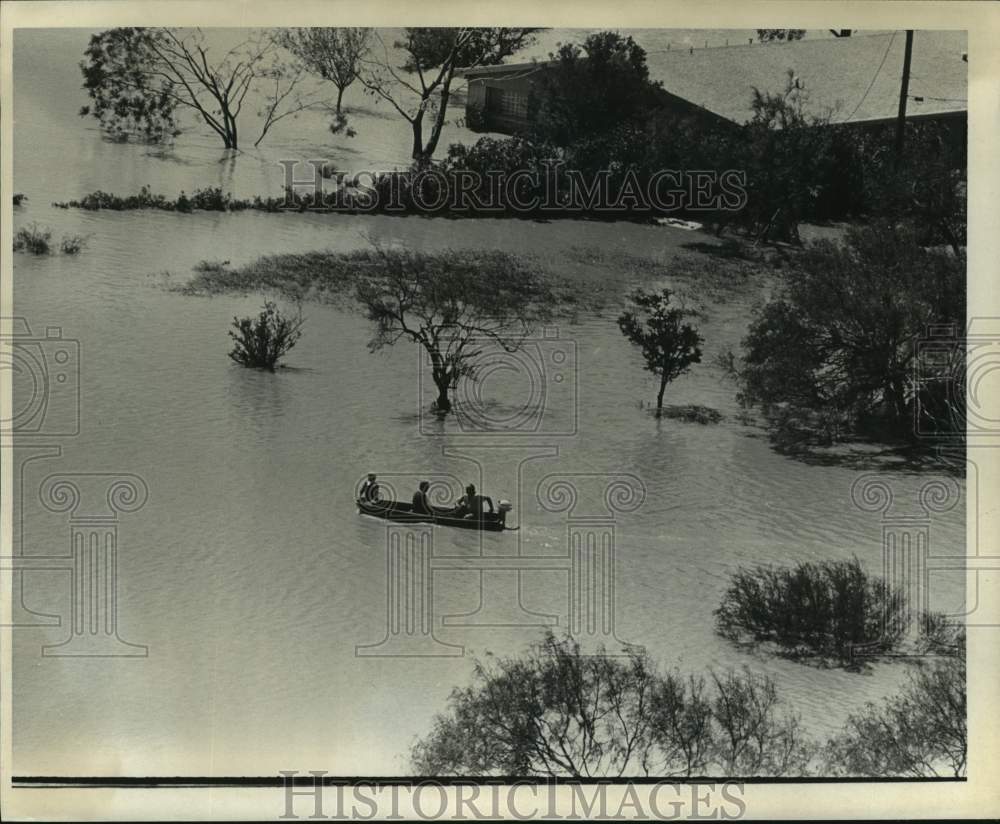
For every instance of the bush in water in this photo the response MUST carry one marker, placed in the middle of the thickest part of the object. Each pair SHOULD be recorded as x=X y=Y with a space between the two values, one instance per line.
x=259 y=343
x=72 y=244
x=33 y=238
x=820 y=609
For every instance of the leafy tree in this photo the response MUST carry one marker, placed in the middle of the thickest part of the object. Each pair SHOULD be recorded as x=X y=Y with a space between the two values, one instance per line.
x=332 y=53
x=558 y=712
x=422 y=85
x=771 y=35
x=787 y=157
x=138 y=77
x=127 y=98
x=259 y=343
x=925 y=187
x=921 y=732
x=669 y=345
x=453 y=304
x=834 y=349
x=593 y=90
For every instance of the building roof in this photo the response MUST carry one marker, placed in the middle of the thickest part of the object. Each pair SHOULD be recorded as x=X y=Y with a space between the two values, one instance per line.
x=852 y=79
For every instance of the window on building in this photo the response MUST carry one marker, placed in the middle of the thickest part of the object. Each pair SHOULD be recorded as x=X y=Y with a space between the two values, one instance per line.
x=509 y=104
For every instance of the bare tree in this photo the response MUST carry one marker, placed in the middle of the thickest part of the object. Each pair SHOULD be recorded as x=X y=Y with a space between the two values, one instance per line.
x=423 y=83
x=922 y=732
x=140 y=76
x=558 y=712
x=751 y=737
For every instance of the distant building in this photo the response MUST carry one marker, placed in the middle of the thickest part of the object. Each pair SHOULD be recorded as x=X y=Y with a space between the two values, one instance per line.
x=851 y=79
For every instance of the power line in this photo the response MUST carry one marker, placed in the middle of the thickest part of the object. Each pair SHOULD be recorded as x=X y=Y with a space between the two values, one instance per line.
x=874 y=78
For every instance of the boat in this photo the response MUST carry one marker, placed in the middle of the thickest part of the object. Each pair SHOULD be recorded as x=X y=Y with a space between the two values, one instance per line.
x=402 y=512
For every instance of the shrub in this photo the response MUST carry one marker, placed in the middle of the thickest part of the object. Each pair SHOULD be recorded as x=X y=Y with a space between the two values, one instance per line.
x=19 y=198
x=835 y=350
x=33 y=238
x=692 y=413
x=72 y=244
x=824 y=609
x=559 y=712
x=211 y=267
x=259 y=343
x=921 y=732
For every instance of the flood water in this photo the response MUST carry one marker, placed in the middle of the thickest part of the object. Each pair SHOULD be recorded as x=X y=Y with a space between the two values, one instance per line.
x=249 y=574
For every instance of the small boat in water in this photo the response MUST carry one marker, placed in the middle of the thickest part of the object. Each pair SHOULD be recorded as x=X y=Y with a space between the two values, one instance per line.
x=403 y=513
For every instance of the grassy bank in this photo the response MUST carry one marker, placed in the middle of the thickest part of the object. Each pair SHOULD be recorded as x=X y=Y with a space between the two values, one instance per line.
x=588 y=277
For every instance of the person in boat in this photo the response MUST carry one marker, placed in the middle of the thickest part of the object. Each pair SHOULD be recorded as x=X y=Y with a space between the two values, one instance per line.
x=420 y=504
x=470 y=505
x=369 y=490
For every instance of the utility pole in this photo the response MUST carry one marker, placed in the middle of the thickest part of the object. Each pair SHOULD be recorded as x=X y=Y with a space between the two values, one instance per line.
x=903 y=93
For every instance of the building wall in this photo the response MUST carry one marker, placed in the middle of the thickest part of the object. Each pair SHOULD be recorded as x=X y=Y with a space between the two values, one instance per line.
x=488 y=104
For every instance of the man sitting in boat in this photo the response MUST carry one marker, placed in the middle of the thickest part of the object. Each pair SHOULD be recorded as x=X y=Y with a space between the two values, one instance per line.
x=420 y=503
x=470 y=505
x=369 y=489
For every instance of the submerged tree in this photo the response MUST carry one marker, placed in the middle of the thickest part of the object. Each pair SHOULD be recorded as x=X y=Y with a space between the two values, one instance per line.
x=669 y=344
x=454 y=304
x=137 y=78
x=259 y=343
x=422 y=85
x=834 y=350
x=332 y=53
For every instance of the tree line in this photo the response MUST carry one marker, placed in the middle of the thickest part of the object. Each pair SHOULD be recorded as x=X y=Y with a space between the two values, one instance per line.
x=559 y=711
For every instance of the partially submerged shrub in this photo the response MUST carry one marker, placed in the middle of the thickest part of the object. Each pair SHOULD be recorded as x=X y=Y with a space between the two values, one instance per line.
x=32 y=238
x=72 y=244
x=211 y=266
x=692 y=413
x=259 y=343
x=813 y=609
